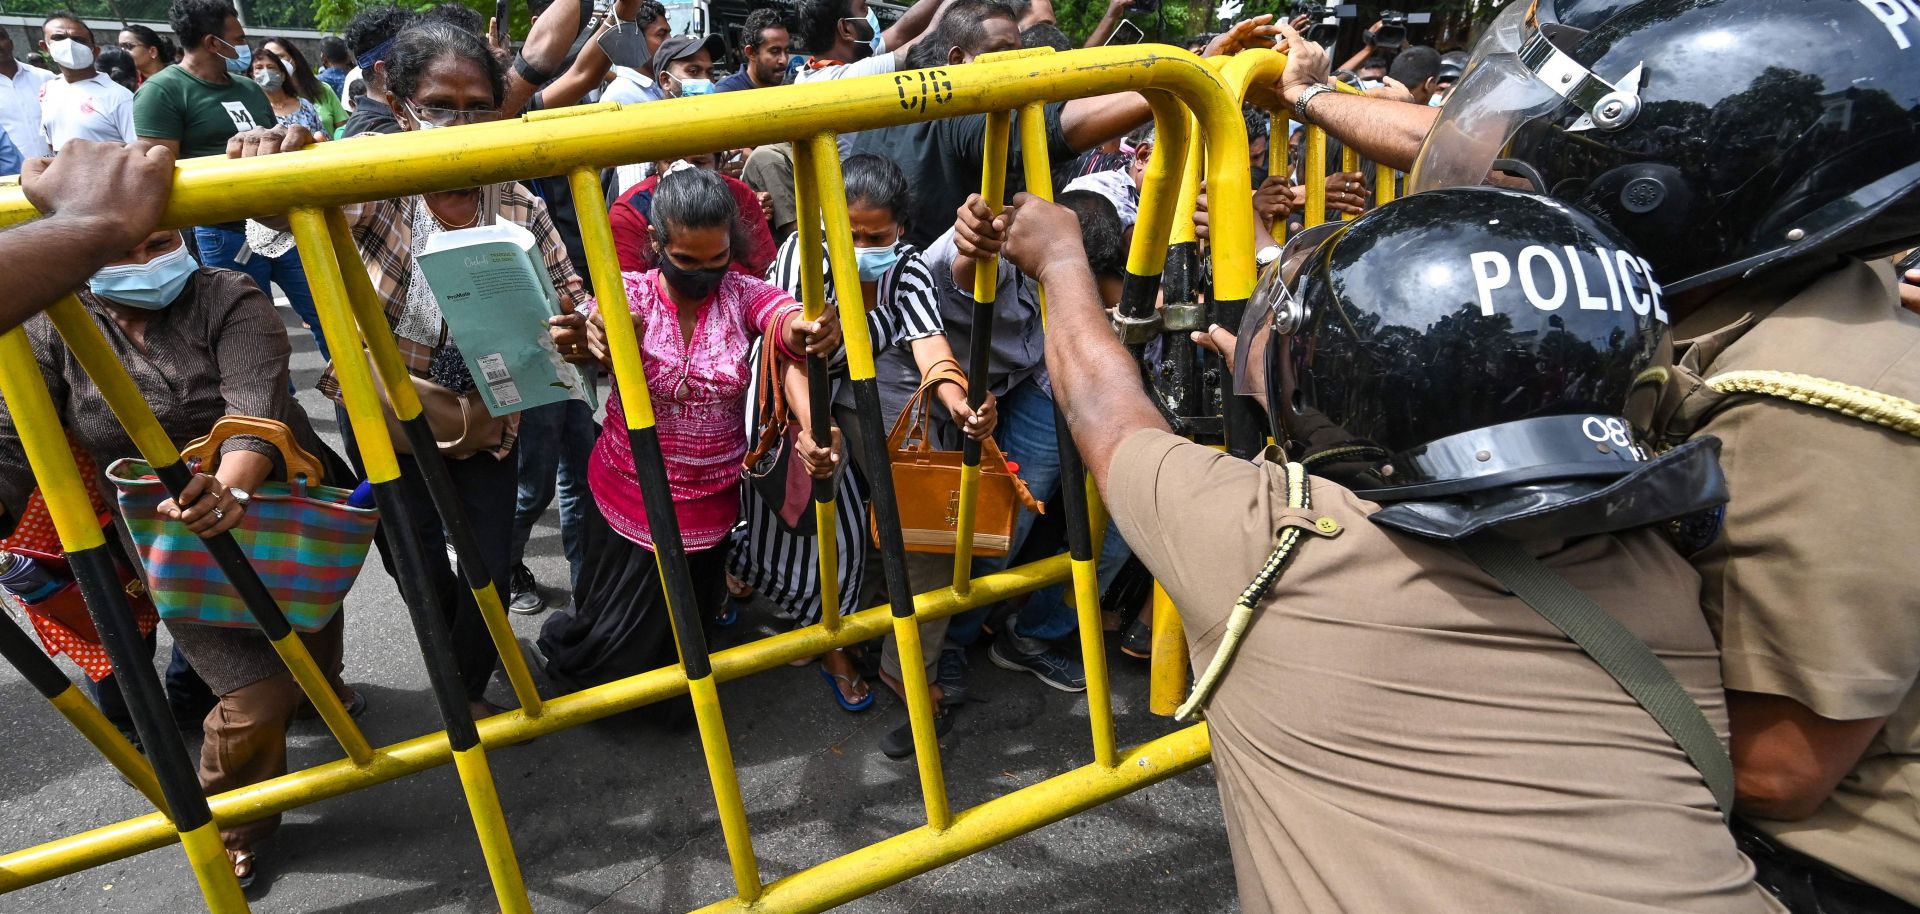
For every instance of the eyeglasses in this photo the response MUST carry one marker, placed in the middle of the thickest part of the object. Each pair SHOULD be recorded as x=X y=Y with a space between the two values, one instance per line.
x=131 y=46
x=449 y=117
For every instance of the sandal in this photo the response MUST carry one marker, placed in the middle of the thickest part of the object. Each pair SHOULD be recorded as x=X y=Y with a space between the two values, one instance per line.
x=839 y=684
x=242 y=861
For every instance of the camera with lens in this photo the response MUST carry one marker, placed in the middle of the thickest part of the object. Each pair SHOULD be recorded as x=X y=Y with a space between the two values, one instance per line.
x=1323 y=24
x=1393 y=29
x=1143 y=7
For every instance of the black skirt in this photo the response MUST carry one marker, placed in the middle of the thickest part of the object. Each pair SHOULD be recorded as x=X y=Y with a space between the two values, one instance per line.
x=618 y=625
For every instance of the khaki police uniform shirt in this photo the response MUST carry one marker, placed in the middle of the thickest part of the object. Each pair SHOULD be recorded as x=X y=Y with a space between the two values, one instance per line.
x=1811 y=585
x=1397 y=733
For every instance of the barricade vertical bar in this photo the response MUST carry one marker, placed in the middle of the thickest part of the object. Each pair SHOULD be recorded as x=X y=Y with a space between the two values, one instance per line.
x=1349 y=161
x=1147 y=257
x=1385 y=180
x=1074 y=490
x=90 y=349
x=1315 y=175
x=1167 y=676
x=610 y=289
x=986 y=283
x=39 y=670
x=821 y=166
x=1181 y=283
x=813 y=295
x=392 y=372
x=326 y=266
x=1280 y=149
x=25 y=393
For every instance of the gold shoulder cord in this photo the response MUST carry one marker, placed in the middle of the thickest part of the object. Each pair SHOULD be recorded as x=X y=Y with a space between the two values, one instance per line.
x=1242 y=616
x=1886 y=410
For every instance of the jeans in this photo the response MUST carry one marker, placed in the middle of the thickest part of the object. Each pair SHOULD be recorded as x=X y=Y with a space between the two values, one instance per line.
x=189 y=697
x=1026 y=433
x=486 y=486
x=556 y=440
x=219 y=248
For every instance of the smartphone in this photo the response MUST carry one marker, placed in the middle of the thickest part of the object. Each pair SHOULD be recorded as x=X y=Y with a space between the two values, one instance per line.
x=502 y=21
x=1126 y=33
x=1909 y=262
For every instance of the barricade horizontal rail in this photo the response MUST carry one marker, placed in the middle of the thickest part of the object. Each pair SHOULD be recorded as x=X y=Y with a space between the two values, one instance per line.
x=106 y=844
x=213 y=190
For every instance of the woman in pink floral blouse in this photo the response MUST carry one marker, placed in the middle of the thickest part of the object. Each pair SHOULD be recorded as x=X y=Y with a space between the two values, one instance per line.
x=696 y=321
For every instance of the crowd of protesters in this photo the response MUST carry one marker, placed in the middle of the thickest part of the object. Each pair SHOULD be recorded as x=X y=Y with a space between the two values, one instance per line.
x=712 y=269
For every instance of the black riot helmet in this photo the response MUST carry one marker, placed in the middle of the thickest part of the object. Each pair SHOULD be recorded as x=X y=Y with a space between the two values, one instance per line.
x=1472 y=350
x=1719 y=136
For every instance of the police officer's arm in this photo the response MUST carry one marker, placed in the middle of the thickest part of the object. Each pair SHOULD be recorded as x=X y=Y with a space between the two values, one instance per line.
x=1787 y=759
x=1386 y=131
x=1096 y=383
x=100 y=199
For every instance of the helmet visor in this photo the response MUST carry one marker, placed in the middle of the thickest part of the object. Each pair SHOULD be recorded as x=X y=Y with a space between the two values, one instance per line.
x=1274 y=309
x=1496 y=95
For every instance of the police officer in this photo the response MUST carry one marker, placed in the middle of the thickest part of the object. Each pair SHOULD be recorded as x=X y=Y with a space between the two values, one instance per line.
x=1392 y=729
x=1763 y=154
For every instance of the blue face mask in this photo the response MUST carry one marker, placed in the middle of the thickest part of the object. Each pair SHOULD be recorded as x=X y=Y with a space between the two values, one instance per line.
x=242 y=59
x=875 y=262
x=152 y=285
x=879 y=41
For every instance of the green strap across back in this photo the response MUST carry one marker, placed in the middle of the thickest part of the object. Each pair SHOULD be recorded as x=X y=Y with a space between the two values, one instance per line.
x=1626 y=658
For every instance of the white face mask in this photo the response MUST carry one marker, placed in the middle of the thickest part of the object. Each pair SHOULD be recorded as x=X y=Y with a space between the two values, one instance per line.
x=70 y=54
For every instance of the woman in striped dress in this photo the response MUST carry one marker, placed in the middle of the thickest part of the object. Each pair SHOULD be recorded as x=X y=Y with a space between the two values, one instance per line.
x=902 y=310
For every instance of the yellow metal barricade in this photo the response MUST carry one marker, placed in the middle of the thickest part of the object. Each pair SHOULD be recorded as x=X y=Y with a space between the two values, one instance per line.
x=1189 y=98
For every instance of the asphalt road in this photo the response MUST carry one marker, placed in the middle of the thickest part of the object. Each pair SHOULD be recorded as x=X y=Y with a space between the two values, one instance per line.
x=615 y=818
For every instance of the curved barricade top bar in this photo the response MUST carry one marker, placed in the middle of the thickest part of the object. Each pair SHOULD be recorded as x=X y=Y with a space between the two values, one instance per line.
x=213 y=190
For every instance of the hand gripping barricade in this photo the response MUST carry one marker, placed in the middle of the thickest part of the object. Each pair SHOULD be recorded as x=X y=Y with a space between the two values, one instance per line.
x=1188 y=97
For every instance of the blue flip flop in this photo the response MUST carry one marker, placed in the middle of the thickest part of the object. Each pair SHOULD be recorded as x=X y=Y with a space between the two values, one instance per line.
x=839 y=697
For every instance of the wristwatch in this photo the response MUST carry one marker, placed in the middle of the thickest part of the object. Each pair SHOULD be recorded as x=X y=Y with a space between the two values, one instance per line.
x=1307 y=95
x=1266 y=256
x=241 y=496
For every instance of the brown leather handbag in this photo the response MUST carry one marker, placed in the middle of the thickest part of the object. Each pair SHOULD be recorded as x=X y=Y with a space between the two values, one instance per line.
x=927 y=482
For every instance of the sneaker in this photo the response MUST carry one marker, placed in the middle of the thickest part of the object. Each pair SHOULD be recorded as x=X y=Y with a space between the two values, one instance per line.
x=898 y=743
x=951 y=677
x=525 y=597
x=1010 y=651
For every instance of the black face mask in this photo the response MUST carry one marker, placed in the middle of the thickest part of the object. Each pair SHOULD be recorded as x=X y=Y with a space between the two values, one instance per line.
x=696 y=284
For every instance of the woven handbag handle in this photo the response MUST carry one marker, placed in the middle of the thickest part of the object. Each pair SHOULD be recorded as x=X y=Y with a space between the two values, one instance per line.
x=916 y=415
x=206 y=449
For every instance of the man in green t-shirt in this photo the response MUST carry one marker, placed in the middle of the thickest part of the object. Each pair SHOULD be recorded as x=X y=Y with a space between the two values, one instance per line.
x=194 y=107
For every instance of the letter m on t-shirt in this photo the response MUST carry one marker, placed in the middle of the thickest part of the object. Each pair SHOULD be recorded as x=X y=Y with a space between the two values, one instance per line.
x=242 y=118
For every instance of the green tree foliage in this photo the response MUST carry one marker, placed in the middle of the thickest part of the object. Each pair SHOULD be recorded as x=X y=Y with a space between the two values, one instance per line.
x=333 y=15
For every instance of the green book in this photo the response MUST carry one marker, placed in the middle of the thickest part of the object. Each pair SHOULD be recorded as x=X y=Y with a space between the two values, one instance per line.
x=496 y=296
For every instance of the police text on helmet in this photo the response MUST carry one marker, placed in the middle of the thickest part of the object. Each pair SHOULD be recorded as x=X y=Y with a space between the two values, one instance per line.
x=1600 y=279
x=1893 y=14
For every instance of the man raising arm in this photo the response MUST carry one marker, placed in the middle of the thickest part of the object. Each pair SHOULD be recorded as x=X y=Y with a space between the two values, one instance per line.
x=1386 y=131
